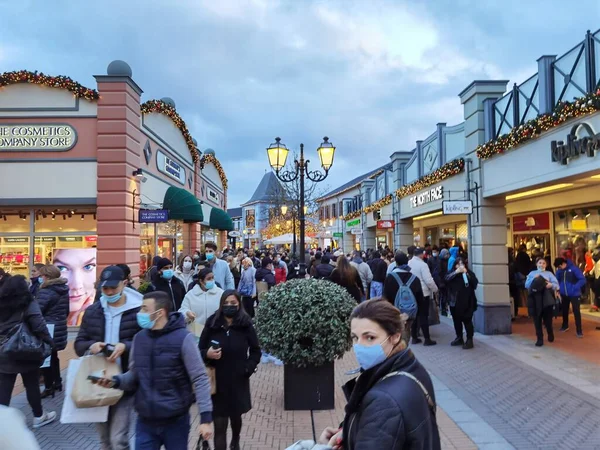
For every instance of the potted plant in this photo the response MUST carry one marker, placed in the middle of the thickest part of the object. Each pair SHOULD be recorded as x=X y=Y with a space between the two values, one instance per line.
x=305 y=323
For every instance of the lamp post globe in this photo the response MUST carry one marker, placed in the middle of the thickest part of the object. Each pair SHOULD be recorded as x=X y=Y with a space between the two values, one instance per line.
x=326 y=153
x=277 y=153
x=284 y=210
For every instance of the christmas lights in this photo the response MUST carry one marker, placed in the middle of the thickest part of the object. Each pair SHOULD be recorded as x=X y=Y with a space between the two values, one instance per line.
x=447 y=170
x=59 y=82
x=211 y=159
x=532 y=129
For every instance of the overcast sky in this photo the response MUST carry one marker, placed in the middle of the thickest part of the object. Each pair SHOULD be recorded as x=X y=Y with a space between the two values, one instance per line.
x=373 y=75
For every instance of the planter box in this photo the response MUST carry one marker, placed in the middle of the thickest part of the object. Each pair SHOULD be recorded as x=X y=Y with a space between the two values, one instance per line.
x=309 y=388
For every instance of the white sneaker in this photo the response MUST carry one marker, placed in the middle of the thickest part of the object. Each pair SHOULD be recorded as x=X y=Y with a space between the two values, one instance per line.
x=45 y=419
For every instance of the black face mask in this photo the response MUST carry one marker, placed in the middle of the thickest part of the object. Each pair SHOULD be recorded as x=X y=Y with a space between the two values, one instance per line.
x=230 y=310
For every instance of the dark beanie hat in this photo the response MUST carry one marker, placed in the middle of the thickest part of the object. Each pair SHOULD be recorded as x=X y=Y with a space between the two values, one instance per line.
x=163 y=263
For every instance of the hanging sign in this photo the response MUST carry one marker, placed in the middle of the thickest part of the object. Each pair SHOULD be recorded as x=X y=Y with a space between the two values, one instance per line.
x=338 y=235
x=431 y=195
x=45 y=239
x=353 y=223
x=531 y=222
x=37 y=137
x=153 y=215
x=234 y=234
x=450 y=207
x=15 y=240
x=70 y=239
x=385 y=224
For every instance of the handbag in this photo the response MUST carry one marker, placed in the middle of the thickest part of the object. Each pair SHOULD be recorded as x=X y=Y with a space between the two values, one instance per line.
x=212 y=376
x=22 y=345
x=202 y=444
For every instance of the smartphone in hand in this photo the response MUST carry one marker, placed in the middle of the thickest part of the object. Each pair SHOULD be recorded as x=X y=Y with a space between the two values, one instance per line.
x=215 y=345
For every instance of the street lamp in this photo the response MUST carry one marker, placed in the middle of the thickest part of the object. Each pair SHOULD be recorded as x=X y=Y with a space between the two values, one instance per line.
x=278 y=153
x=284 y=209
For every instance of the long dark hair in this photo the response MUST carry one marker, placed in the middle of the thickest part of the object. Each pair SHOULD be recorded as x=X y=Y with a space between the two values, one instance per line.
x=15 y=295
x=346 y=271
x=241 y=315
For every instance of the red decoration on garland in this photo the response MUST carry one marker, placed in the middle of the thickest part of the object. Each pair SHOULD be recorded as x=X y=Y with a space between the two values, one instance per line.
x=60 y=82
x=208 y=158
x=447 y=170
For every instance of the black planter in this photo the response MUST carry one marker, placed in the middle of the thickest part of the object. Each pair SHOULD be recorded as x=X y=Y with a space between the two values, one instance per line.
x=309 y=388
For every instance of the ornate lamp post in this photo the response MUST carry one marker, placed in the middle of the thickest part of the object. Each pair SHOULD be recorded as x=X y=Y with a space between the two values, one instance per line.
x=278 y=153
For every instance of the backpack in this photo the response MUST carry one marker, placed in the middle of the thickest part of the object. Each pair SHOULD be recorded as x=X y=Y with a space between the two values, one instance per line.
x=405 y=299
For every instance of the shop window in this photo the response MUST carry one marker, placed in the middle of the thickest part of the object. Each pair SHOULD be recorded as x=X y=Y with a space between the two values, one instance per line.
x=15 y=222
x=147 y=246
x=250 y=218
x=576 y=232
x=14 y=255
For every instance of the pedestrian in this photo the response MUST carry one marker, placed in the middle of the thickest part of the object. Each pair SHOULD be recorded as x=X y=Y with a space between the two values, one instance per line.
x=366 y=276
x=453 y=255
x=314 y=263
x=53 y=299
x=235 y=269
x=513 y=289
x=571 y=282
x=523 y=266
x=461 y=284
x=14 y=434
x=281 y=269
x=165 y=281
x=378 y=268
x=35 y=279
x=324 y=269
x=203 y=300
x=112 y=321
x=223 y=275
x=266 y=272
x=229 y=344
x=543 y=287
x=391 y=405
x=18 y=306
x=247 y=286
x=443 y=292
x=185 y=272
x=151 y=273
x=347 y=276
x=421 y=270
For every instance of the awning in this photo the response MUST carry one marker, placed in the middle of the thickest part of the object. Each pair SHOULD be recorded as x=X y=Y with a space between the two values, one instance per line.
x=182 y=205
x=220 y=220
x=286 y=239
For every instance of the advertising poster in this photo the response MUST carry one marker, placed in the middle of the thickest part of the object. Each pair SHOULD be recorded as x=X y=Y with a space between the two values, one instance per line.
x=78 y=266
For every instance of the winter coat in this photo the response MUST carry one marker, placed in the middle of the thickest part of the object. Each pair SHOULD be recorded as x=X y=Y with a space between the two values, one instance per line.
x=570 y=280
x=435 y=267
x=523 y=263
x=235 y=272
x=53 y=299
x=323 y=271
x=92 y=330
x=391 y=287
x=547 y=275
x=174 y=288
x=34 y=287
x=460 y=296
x=27 y=310
x=366 y=276
x=420 y=269
x=539 y=297
x=391 y=414
x=379 y=269
x=202 y=303
x=240 y=355
x=453 y=255
x=354 y=285
x=247 y=286
x=264 y=274
x=186 y=278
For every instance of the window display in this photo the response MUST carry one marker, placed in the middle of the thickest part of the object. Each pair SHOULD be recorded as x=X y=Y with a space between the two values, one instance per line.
x=577 y=232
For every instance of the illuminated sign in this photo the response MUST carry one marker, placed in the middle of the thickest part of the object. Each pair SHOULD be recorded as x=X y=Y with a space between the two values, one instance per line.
x=431 y=195
x=37 y=138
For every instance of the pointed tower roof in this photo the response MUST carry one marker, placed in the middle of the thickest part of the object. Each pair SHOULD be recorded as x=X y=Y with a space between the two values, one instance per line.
x=269 y=190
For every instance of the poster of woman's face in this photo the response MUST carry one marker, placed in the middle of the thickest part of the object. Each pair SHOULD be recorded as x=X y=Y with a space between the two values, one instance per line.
x=78 y=266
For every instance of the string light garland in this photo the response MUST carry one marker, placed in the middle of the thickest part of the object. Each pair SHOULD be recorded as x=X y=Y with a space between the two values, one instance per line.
x=209 y=158
x=58 y=82
x=449 y=169
x=158 y=106
x=532 y=129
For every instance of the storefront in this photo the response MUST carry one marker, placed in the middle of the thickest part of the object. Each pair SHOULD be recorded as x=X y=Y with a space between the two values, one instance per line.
x=385 y=233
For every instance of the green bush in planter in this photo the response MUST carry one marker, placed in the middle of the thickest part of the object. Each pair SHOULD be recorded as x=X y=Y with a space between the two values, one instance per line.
x=305 y=322
x=144 y=287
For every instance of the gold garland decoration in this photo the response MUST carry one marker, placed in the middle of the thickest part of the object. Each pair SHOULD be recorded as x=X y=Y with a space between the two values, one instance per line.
x=212 y=159
x=447 y=170
x=532 y=129
x=39 y=78
x=158 y=106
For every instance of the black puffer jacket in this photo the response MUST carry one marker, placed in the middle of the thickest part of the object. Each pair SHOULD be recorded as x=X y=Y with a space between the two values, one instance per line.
x=323 y=271
x=391 y=414
x=53 y=298
x=174 y=288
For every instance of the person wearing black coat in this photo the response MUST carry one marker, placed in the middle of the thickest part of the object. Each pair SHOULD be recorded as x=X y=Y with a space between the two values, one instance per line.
x=165 y=281
x=461 y=284
x=18 y=306
x=53 y=298
x=265 y=273
x=323 y=270
x=347 y=276
x=229 y=344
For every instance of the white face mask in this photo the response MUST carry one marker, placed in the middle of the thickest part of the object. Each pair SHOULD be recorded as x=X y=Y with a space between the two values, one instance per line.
x=187 y=265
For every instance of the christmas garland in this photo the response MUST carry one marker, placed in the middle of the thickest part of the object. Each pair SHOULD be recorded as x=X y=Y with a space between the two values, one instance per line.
x=447 y=170
x=158 y=106
x=532 y=129
x=60 y=82
x=211 y=159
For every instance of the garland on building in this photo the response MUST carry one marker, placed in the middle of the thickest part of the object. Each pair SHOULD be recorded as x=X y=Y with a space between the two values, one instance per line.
x=447 y=170
x=532 y=129
x=212 y=159
x=158 y=106
x=368 y=209
x=59 y=82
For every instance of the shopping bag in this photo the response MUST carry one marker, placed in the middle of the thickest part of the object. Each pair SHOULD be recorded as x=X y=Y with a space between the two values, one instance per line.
x=70 y=412
x=46 y=362
x=89 y=395
x=212 y=376
x=434 y=311
x=195 y=328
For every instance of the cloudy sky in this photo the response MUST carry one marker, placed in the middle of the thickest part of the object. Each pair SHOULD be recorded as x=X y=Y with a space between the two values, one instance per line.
x=373 y=75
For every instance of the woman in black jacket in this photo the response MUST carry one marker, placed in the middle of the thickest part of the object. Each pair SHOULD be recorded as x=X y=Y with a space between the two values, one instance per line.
x=391 y=405
x=347 y=276
x=229 y=344
x=53 y=298
x=17 y=306
x=460 y=285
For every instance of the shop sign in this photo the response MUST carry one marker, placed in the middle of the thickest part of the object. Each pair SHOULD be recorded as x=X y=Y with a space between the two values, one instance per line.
x=457 y=207
x=46 y=137
x=70 y=239
x=356 y=231
x=338 y=235
x=170 y=167
x=576 y=146
x=45 y=239
x=385 y=224
x=153 y=216
x=91 y=239
x=579 y=224
x=353 y=223
x=531 y=222
x=234 y=234
x=431 y=195
x=16 y=240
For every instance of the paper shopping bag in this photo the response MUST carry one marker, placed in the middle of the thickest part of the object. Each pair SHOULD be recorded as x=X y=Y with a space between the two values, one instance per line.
x=88 y=395
x=195 y=328
x=212 y=376
x=70 y=412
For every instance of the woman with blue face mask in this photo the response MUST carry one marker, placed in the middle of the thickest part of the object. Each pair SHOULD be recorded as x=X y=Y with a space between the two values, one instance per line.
x=164 y=280
x=201 y=302
x=391 y=405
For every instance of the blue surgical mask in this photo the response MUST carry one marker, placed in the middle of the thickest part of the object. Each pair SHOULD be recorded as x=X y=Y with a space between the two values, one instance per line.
x=111 y=298
x=144 y=321
x=210 y=256
x=41 y=280
x=370 y=355
x=167 y=274
x=209 y=285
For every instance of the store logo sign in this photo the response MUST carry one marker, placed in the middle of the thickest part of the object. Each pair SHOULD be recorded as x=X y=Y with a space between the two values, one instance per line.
x=580 y=141
x=170 y=167
x=37 y=138
x=432 y=195
x=385 y=224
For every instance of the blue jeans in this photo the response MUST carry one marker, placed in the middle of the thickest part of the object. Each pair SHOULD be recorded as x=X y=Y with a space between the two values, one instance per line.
x=173 y=436
x=376 y=289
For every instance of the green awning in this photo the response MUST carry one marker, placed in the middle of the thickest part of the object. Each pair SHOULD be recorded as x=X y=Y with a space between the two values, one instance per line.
x=220 y=220
x=182 y=205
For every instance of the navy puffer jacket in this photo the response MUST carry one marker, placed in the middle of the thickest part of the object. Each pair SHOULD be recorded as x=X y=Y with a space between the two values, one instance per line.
x=53 y=298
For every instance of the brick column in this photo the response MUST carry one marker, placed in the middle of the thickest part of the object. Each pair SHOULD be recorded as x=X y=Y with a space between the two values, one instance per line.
x=195 y=238
x=119 y=154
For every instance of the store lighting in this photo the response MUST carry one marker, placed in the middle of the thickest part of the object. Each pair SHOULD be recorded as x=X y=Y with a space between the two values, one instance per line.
x=554 y=187
x=44 y=215
x=53 y=215
x=586 y=213
x=562 y=215
x=427 y=216
x=94 y=216
x=65 y=216
x=5 y=218
x=71 y=213
x=82 y=216
x=574 y=214
x=138 y=173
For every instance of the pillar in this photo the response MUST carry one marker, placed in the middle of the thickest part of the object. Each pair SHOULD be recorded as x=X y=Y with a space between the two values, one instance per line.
x=403 y=229
x=195 y=228
x=119 y=154
x=368 y=237
x=488 y=254
x=404 y=234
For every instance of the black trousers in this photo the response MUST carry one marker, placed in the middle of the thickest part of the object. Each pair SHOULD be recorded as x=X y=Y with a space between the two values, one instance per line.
x=546 y=319
x=576 y=303
x=248 y=303
x=459 y=321
x=30 y=381
x=221 y=431
x=422 y=320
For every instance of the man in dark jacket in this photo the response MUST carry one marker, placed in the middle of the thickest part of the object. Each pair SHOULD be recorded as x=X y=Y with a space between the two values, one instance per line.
x=571 y=282
x=165 y=281
x=112 y=320
x=379 y=268
x=165 y=370
x=324 y=269
x=265 y=273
